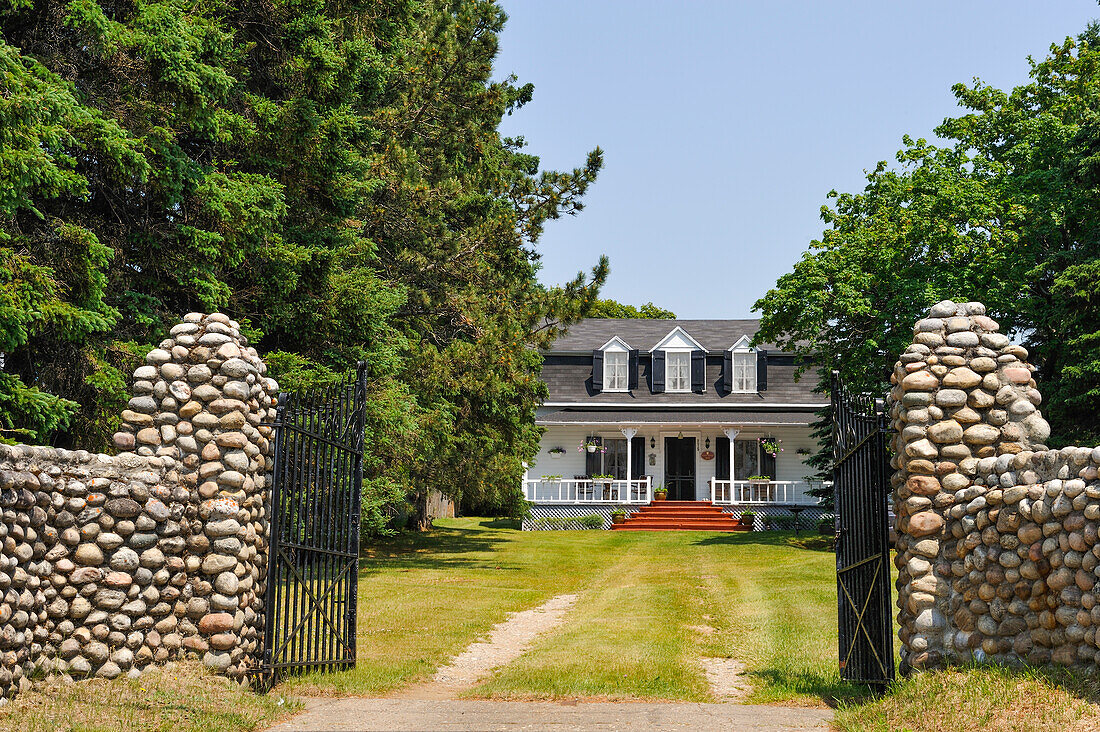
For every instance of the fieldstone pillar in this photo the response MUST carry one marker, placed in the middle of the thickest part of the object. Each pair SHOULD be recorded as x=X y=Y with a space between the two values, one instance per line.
x=963 y=403
x=202 y=399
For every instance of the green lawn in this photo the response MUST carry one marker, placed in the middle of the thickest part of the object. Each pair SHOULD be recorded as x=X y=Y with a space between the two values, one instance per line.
x=651 y=604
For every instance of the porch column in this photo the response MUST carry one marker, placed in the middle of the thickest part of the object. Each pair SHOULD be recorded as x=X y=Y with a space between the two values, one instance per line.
x=731 y=433
x=628 y=433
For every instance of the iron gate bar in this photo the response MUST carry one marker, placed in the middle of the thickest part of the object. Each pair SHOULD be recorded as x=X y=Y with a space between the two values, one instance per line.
x=311 y=601
x=860 y=480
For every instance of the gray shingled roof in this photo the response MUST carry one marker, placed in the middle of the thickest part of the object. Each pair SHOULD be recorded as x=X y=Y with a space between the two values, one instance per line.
x=713 y=335
x=663 y=416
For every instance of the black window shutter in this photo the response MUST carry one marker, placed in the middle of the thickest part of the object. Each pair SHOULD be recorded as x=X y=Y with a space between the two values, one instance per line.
x=657 y=372
x=632 y=369
x=593 y=461
x=767 y=464
x=597 y=370
x=698 y=371
x=722 y=458
x=637 y=457
x=761 y=370
x=727 y=371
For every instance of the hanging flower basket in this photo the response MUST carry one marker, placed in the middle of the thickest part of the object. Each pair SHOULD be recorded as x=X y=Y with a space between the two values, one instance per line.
x=556 y=452
x=591 y=446
x=771 y=445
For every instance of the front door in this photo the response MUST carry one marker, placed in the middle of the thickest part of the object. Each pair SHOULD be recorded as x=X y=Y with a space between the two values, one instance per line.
x=680 y=468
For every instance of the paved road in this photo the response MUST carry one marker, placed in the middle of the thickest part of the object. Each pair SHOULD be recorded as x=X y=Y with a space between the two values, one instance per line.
x=400 y=715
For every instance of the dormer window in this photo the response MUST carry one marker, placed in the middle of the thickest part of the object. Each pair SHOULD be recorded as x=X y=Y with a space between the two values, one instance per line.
x=744 y=367
x=615 y=371
x=678 y=366
x=614 y=367
x=744 y=371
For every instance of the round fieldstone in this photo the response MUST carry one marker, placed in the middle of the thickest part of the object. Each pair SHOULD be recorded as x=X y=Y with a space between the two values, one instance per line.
x=925 y=523
x=961 y=378
x=88 y=555
x=124 y=508
x=125 y=559
x=216 y=623
x=109 y=540
x=981 y=434
x=951 y=397
x=227 y=583
x=946 y=431
x=237 y=368
x=157 y=510
x=218 y=563
x=143 y=404
x=920 y=381
x=157 y=356
x=226 y=527
x=123 y=440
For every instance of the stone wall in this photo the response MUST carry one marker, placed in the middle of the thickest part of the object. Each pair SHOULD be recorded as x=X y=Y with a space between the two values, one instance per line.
x=111 y=563
x=996 y=534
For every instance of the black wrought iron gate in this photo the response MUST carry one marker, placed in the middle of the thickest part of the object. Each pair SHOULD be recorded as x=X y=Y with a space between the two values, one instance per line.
x=861 y=483
x=315 y=503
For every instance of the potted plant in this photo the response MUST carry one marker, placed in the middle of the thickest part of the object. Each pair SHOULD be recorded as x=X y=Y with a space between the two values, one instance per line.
x=556 y=452
x=748 y=518
x=551 y=478
x=660 y=493
x=759 y=479
x=591 y=445
x=604 y=478
x=618 y=516
x=772 y=445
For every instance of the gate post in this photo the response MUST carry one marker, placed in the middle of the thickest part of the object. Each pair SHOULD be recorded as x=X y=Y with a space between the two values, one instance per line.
x=203 y=399
x=962 y=393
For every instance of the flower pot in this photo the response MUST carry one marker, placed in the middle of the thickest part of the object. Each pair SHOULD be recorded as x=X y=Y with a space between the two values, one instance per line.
x=555 y=455
x=660 y=495
x=590 y=448
x=747 y=520
x=618 y=518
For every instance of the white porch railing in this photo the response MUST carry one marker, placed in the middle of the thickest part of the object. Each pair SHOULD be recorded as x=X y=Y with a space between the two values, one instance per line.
x=773 y=491
x=586 y=490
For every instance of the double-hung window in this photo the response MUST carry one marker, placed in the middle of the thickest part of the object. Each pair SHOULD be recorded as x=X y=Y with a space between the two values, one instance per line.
x=678 y=366
x=744 y=371
x=615 y=371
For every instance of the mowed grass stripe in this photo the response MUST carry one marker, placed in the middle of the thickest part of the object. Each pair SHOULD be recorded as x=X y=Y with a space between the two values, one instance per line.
x=628 y=637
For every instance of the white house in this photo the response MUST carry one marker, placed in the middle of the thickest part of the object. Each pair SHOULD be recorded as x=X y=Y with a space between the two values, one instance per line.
x=684 y=405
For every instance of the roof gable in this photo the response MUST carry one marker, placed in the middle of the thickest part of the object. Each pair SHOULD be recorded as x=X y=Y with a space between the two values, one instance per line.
x=615 y=344
x=678 y=338
x=744 y=343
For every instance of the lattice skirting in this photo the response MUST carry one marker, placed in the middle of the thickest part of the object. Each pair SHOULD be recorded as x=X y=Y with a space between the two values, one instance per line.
x=554 y=517
x=770 y=517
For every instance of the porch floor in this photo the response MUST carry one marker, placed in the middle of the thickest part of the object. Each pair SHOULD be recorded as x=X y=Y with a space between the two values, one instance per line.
x=680 y=516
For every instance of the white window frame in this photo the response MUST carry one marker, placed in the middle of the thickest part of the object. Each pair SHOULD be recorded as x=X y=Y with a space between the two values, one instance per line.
x=678 y=353
x=616 y=346
x=613 y=381
x=740 y=382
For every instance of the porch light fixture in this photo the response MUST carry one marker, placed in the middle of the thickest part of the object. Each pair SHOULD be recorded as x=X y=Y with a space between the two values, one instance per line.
x=680 y=435
x=708 y=443
x=652 y=443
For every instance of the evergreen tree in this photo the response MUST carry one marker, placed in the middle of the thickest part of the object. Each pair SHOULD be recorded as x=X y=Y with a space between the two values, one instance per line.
x=331 y=176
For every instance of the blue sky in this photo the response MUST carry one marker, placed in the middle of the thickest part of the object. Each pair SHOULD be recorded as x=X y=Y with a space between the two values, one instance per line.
x=725 y=124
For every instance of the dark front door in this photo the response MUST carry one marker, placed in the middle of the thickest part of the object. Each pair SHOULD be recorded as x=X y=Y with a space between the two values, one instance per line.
x=680 y=468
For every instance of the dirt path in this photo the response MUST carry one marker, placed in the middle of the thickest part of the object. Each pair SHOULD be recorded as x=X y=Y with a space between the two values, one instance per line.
x=433 y=705
x=507 y=641
x=398 y=715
